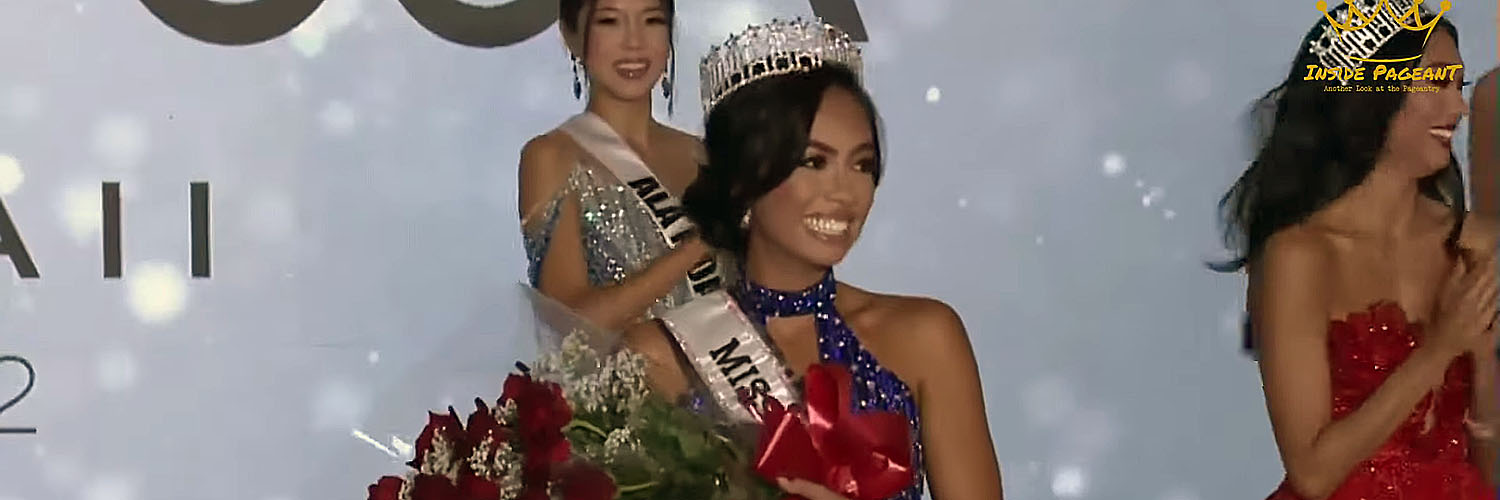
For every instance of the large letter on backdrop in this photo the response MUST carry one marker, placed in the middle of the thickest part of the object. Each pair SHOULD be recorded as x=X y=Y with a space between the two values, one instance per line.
x=483 y=26
x=12 y=246
x=244 y=23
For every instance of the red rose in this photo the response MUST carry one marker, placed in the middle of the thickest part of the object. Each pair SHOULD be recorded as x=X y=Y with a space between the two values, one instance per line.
x=482 y=424
x=539 y=405
x=534 y=494
x=478 y=488
x=459 y=440
x=514 y=385
x=550 y=410
x=428 y=487
x=585 y=482
x=541 y=414
x=388 y=488
x=447 y=425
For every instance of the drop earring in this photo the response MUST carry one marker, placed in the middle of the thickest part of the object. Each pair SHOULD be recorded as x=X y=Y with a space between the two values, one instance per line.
x=577 y=82
x=666 y=80
x=745 y=221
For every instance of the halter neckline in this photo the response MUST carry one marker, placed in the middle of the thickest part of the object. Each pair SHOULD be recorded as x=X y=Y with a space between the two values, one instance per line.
x=772 y=303
x=873 y=386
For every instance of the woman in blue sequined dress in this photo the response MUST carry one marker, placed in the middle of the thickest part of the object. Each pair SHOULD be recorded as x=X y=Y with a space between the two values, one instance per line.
x=793 y=164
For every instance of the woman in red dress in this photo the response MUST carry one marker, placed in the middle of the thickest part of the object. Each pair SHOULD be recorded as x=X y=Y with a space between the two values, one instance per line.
x=1372 y=294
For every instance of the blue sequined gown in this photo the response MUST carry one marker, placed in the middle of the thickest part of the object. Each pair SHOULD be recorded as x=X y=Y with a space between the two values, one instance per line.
x=875 y=388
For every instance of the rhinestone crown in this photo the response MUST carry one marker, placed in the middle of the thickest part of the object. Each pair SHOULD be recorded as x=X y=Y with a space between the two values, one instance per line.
x=775 y=48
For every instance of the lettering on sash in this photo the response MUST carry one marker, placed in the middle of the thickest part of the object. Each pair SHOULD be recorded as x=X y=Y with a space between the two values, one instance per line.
x=672 y=224
x=729 y=354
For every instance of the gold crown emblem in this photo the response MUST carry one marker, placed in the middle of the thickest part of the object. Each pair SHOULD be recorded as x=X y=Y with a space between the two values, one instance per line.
x=1387 y=8
x=1358 y=29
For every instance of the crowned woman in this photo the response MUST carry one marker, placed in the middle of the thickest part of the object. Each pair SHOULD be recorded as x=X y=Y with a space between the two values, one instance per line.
x=793 y=158
x=1372 y=292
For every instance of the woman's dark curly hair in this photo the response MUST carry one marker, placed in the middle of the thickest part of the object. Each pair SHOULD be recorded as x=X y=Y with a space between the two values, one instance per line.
x=755 y=138
x=1315 y=146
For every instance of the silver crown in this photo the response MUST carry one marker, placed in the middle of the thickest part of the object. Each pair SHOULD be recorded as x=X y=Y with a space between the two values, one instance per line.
x=1341 y=48
x=775 y=48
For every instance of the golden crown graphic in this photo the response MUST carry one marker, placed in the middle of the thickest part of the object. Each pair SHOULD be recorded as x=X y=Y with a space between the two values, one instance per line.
x=1357 y=30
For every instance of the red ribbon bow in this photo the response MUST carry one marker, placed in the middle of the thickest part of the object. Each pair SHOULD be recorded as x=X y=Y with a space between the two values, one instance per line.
x=861 y=456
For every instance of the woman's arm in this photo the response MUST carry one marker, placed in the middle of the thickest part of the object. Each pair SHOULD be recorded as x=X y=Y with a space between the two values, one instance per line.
x=1291 y=324
x=546 y=163
x=1484 y=158
x=960 y=454
x=1486 y=413
x=1480 y=237
x=664 y=373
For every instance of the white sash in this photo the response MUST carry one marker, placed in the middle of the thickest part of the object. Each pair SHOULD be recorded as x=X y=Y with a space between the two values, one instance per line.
x=726 y=349
x=730 y=354
x=600 y=141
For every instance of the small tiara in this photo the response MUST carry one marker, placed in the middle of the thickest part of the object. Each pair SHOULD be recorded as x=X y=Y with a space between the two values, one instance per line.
x=775 y=48
x=1354 y=39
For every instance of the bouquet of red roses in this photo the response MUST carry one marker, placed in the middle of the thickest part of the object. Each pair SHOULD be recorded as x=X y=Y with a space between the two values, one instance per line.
x=577 y=427
x=514 y=450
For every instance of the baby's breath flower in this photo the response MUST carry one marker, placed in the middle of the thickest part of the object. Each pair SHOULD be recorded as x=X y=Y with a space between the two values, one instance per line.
x=620 y=440
x=440 y=460
x=505 y=414
x=506 y=469
x=479 y=460
x=407 y=485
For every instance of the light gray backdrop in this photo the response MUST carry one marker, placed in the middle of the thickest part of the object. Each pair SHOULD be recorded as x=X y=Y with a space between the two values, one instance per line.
x=1054 y=168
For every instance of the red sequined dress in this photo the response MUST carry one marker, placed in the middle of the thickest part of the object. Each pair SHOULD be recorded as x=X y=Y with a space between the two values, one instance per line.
x=1417 y=462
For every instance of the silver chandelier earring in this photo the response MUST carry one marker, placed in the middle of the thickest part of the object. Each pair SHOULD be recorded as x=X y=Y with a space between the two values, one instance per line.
x=745 y=221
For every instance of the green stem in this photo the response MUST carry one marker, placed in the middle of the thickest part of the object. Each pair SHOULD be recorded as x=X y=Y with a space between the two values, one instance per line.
x=580 y=424
x=628 y=489
x=621 y=491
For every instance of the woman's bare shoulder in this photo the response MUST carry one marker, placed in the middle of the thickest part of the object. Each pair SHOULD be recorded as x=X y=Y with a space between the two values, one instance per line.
x=912 y=321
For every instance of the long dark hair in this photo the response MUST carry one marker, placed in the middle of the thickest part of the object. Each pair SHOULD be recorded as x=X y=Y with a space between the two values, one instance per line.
x=575 y=19
x=755 y=138
x=1314 y=145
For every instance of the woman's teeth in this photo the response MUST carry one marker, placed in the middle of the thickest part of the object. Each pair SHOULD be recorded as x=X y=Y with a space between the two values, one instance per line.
x=830 y=227
x=633 y=68
x=1443 y=133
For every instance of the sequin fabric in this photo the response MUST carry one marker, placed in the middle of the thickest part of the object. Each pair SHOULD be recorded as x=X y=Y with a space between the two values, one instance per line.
x=874 y=388
x=1417 y=462
x=618 y=234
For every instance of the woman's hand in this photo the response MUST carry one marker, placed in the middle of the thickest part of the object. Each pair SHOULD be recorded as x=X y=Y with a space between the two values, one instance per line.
x=1481 y=260
x=695 y=246
x=1466 y=307
x=807 y=489
x=1489 y=342
x=1481 y=431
